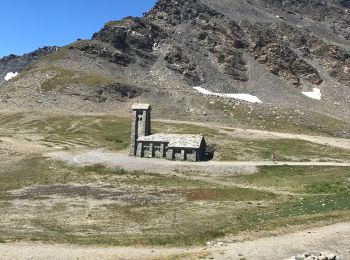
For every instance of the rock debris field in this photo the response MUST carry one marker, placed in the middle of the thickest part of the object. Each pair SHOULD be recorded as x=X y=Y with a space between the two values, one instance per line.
x=315 y=256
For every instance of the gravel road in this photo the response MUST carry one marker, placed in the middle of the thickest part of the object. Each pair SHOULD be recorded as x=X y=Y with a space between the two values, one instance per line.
x=122 y=160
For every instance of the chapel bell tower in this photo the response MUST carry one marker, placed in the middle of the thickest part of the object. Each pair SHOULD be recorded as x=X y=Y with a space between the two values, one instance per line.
x=141 y=124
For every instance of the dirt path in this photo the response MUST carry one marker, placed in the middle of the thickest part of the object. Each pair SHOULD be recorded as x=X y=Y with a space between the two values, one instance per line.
x=38 y=251
x=198 y=170
x=122 y=160
x=261 y=134
x=330 y=239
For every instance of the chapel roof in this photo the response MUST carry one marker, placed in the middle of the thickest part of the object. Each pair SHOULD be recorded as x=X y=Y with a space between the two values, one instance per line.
x=175 y=140
x=138 y=106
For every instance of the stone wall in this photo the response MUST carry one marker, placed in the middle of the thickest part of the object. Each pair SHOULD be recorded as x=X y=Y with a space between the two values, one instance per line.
x=170 y=154
x=160 y=150
x=192 y=155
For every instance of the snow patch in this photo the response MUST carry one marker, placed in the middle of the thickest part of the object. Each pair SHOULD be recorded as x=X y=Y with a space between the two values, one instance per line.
x=315 y=94
x=10 y=75
x=203 y=91
x=245 y=97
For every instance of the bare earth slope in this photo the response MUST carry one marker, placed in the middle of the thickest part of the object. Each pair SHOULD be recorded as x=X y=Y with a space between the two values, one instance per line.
x=273 y=50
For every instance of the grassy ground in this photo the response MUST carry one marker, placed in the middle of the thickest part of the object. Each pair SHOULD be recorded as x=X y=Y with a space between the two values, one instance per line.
x=313 y=179
x=231 y=148
x=64 y=78
x=281 y=120
x=69 y=131
x=48 y=201
x=44 y=200
x=283 y=149
x=72 y=131
x=59 y=78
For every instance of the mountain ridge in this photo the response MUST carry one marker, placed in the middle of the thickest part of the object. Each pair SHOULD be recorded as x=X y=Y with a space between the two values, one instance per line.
x=15 y=63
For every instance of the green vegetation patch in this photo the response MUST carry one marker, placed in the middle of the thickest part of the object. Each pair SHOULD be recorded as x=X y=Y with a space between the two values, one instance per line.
x=302 y=210
x=102 y=169
x=232 y=149
x=72 y=130
x=283 y=120
x=300 y=179
x=327 y=187
x=64 y=77
x=173 y=128
x=227 y=194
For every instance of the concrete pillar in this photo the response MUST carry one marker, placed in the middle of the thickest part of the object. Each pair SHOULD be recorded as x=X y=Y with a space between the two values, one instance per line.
x=151 y=150
x=141 y=125
x=170 y=154
x=183 y=155
x=139 y=150
x=148 y=122
x=144 y=123
x=162 y=151
x=134 y=133
x=194 y=155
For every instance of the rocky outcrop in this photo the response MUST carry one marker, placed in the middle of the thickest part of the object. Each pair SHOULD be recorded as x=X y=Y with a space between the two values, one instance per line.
x=178 y=62
x=209 y=29
x=124 y=42
x=133 y=39
x=175 y=12
x=330 y=10
x=129 y=34
x=268 y=48
x=112 y=92
x=335 y=59
x=315 y=256
x=225 y=40
x=113 y=55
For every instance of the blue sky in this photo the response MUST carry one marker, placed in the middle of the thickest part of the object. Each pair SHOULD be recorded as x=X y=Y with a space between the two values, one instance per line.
x=26 y=25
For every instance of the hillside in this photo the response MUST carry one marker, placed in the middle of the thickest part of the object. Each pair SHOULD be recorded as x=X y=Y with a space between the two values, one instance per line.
x=292 y=56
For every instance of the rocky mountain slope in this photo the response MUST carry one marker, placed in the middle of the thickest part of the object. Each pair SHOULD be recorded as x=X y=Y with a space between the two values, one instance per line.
x=13 y=64
x=292 y=55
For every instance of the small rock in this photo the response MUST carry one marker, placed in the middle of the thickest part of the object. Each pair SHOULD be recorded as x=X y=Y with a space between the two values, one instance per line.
x=331 y=257
x=310 y=258
x=317 y=254
x=220 y=244
x=294 y=81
